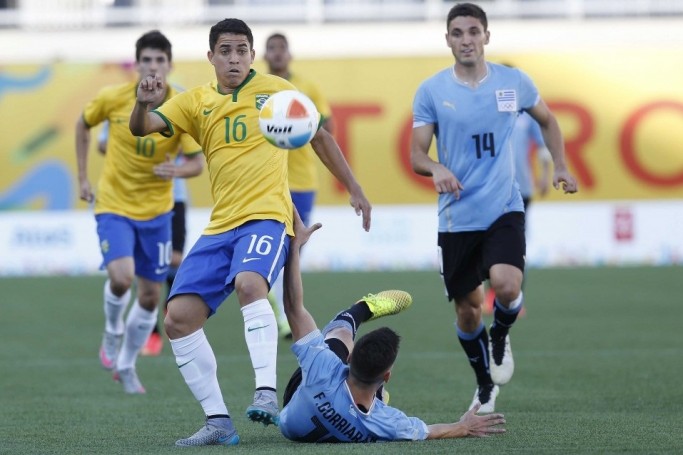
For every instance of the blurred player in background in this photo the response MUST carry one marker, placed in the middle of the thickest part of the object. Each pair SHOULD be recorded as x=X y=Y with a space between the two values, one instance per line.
x=155 y=342
x=472 y=108
x=302 y=170
x=333 y=395
x=133 y=208
x=527 y=141
x=527 y=148
x=245 y=244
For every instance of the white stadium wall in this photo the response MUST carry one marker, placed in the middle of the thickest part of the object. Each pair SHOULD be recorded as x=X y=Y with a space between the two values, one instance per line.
x=401 y=238
x=599 y=227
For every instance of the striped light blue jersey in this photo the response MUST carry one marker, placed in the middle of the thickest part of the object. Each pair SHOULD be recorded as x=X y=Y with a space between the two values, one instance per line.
x=525 y=134
x=473 y=129
x=179 y=185
x=323 y=410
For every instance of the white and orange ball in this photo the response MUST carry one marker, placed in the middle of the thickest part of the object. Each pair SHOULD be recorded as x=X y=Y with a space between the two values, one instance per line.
x=289 y=119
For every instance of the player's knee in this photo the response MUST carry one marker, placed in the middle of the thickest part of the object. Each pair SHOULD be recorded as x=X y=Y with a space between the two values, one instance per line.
x=149 y=300
x=506 y=291
x=250 y=287
x=173 y=326
x=120 y=283
x=468 y=315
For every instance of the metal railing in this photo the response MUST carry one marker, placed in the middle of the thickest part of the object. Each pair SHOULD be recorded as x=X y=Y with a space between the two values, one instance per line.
x=87 y=14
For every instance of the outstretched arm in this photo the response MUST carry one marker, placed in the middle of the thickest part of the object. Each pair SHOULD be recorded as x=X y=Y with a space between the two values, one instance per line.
x=300 y=320
x=470 y=424
x=331 y=156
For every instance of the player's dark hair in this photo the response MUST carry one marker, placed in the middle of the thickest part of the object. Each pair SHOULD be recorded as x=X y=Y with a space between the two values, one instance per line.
x=277 y=36
x=153 y=40
x=232 y=26
x=467 y=10
x=373 y=354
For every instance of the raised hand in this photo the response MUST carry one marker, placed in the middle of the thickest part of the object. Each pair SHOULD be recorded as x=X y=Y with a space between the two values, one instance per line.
x=301 y=232
x=151 y=90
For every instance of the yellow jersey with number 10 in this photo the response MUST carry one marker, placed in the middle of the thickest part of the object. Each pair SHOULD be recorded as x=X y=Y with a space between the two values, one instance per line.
x=127 y=185
x=248 y=174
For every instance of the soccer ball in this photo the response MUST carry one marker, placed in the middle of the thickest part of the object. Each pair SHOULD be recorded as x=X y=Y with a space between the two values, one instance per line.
x=288 y=119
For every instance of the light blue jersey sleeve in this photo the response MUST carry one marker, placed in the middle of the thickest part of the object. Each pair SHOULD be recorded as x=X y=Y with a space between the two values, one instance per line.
x=535 y=133
x=527 y=133
x=179 y=184
x=423 y=108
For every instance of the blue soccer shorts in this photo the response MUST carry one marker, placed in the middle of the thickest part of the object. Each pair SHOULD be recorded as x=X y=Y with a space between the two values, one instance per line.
x=303 y=201
x=210 y=268
x=147 y=242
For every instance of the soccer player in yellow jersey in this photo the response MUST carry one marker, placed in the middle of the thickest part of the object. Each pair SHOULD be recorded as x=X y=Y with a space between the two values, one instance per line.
x=246 y=242
x=133 y=206
x=302 y=170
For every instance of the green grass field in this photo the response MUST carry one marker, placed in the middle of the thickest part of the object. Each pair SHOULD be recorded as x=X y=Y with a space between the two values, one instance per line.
x=599 y=361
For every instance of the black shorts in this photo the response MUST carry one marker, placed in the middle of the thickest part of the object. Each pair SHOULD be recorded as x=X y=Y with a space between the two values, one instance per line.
x=466 y=257
x=336 y=346
x=178 y=229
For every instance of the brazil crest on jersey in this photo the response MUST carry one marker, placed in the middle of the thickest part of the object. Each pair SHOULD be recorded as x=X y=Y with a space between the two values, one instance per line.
x=472 y=128
x=128 y=186
x=248 y=175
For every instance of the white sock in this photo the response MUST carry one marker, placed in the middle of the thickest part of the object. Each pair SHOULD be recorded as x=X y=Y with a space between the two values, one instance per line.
x=139 y=324
x=277 y=289
x=113 y=309
x=517 y=302
x=260 y=333
x=197 y=364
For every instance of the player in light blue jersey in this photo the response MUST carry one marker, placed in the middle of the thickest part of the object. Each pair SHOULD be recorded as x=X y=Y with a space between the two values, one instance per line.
x=526 y=136
x=333 y=396
x=471 y=108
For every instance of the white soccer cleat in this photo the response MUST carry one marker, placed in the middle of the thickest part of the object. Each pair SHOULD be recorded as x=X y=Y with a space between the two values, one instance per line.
x=210 y=435
x=109 y=350
x=130 y=381
x=487 y=397
x=265 y=408
x=502 y=364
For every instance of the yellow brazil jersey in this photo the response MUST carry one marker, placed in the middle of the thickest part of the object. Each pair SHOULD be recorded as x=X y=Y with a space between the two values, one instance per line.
x=128 y=186
x=248 y=174
x=303 y=172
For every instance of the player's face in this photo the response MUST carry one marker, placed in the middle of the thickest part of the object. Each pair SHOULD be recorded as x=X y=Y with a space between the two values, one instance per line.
x=277 y=55
x=466 y=37
x=232 y=58
x=153 y=62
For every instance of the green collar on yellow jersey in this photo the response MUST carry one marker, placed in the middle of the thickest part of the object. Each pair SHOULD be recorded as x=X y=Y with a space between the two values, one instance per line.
x=249 y=77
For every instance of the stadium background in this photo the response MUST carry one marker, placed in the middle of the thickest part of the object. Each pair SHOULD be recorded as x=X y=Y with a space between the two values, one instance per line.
x=598 y=352
x=613 y=83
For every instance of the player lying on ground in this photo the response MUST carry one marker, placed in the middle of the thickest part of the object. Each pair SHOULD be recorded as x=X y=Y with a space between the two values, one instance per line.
x=333 y=396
